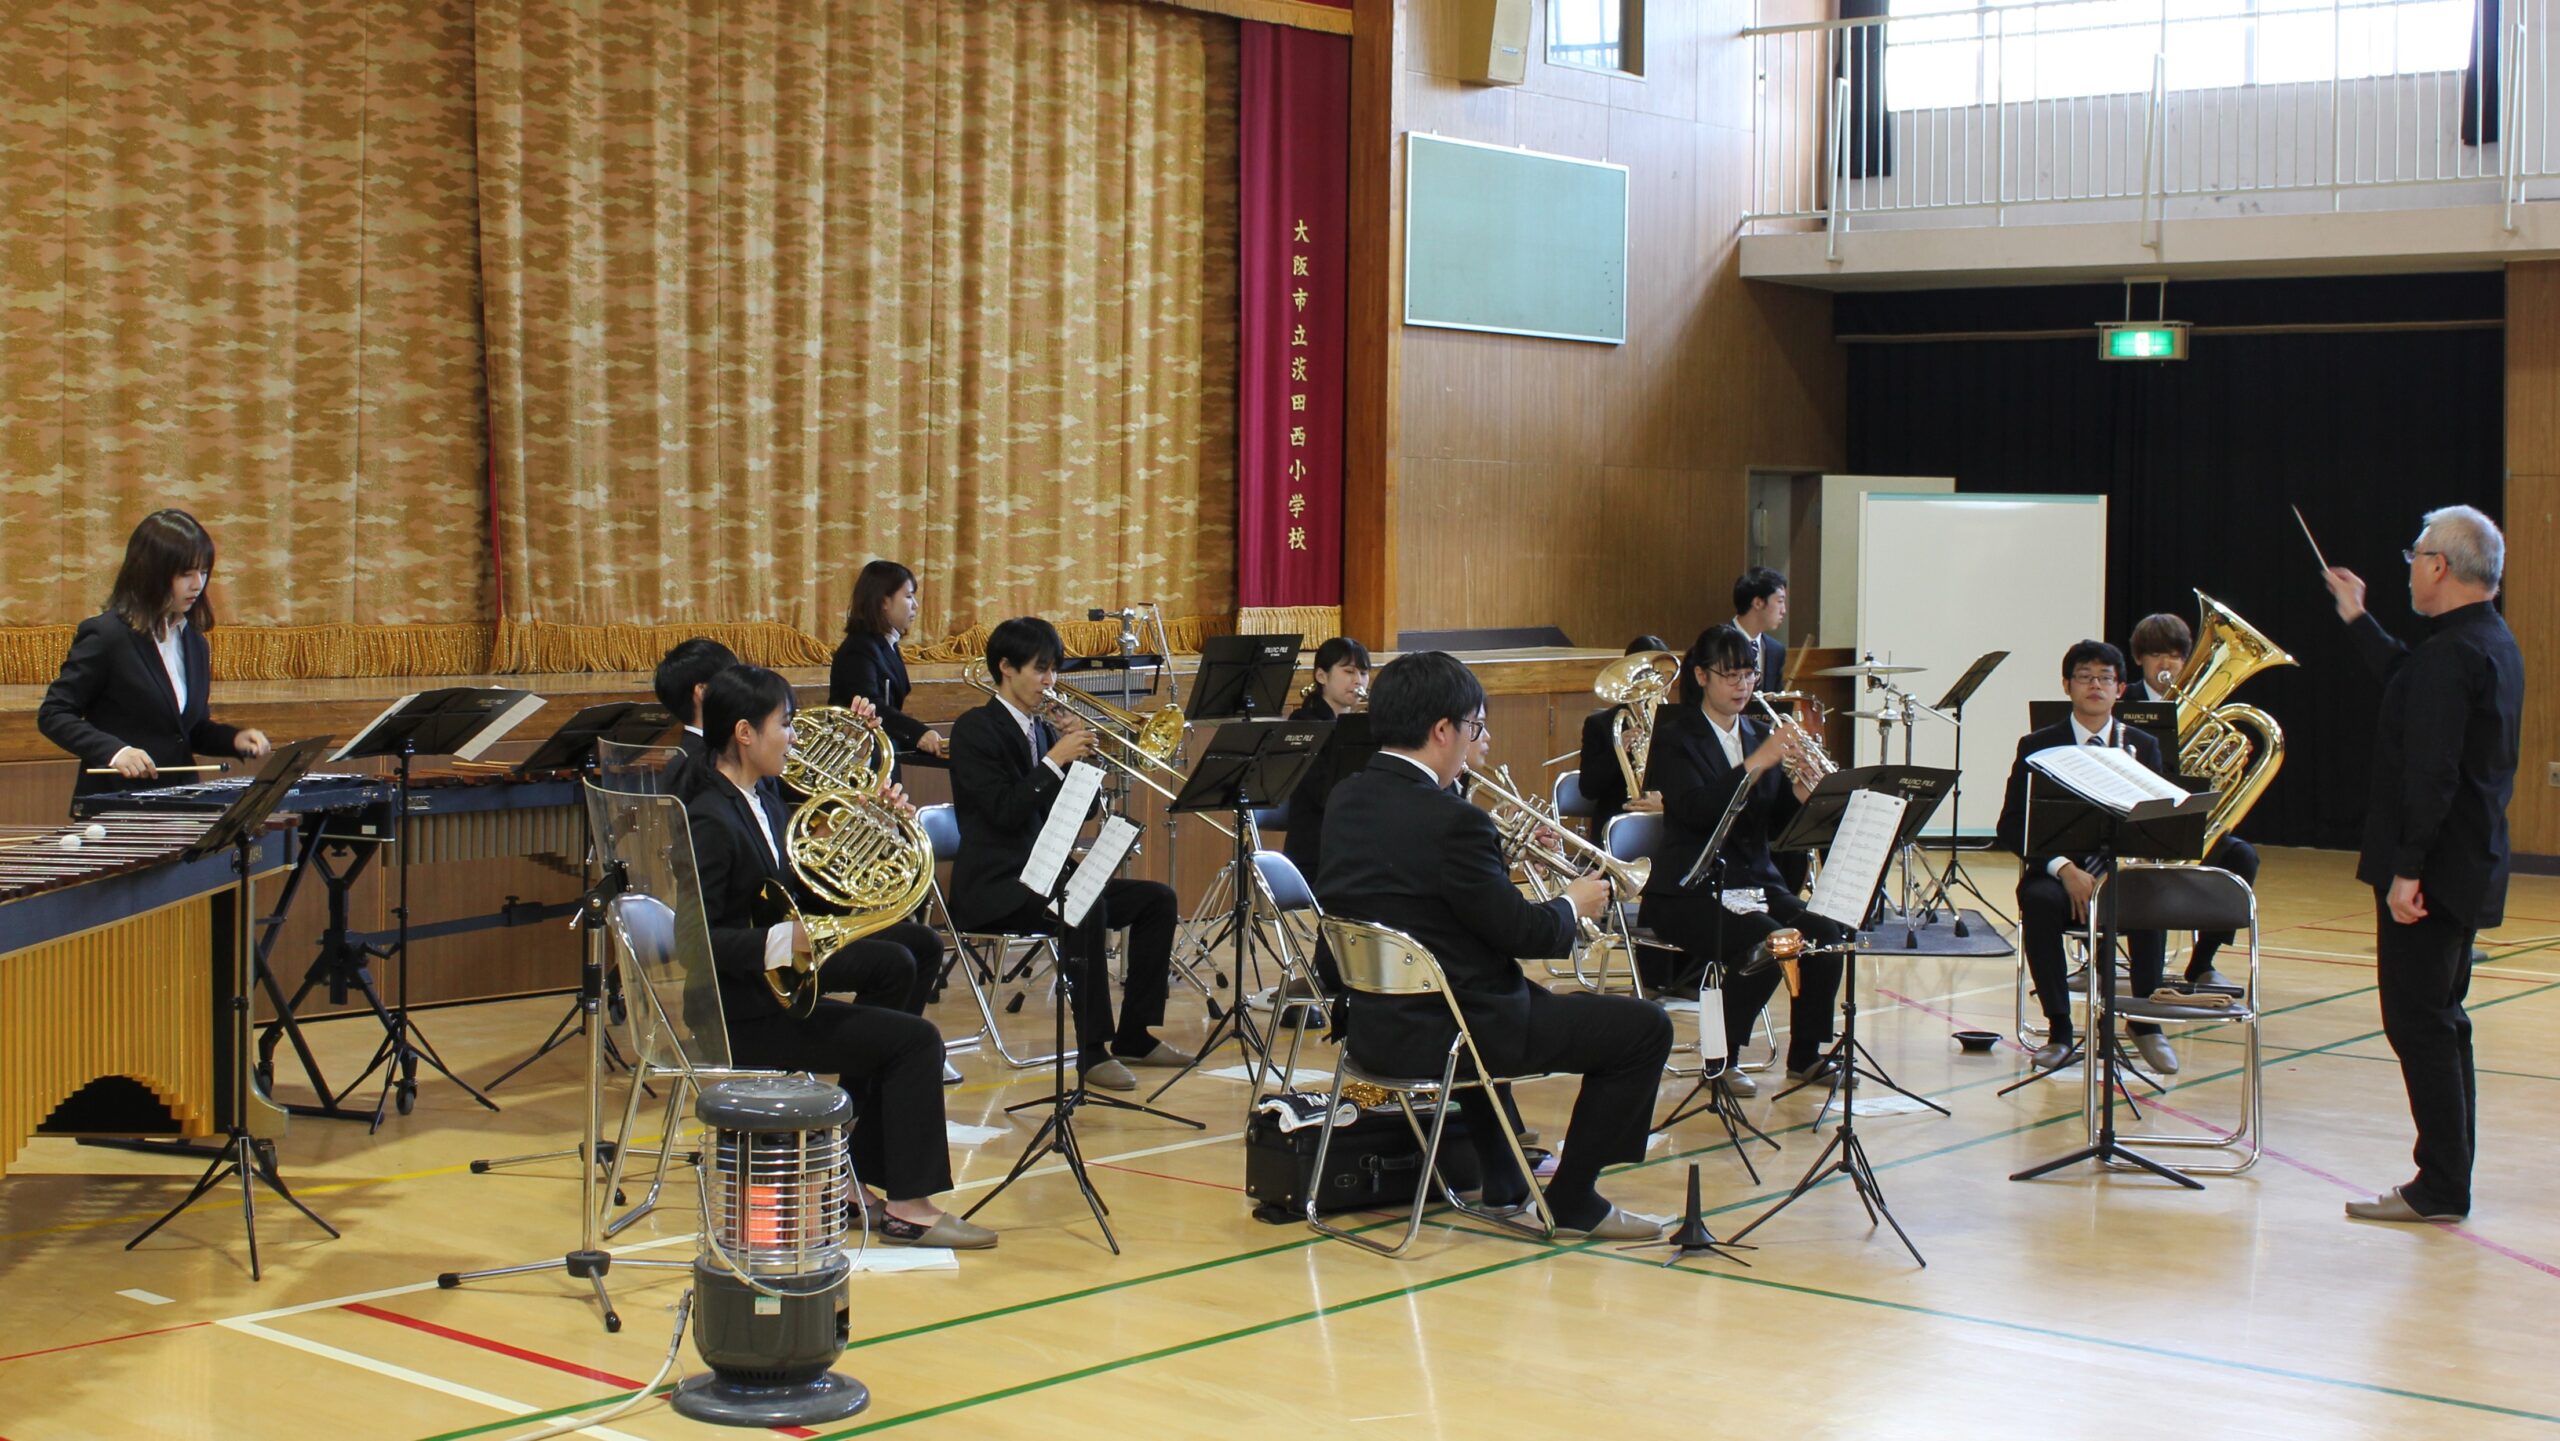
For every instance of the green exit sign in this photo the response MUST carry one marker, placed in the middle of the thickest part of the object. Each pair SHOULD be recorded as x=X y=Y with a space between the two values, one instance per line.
x=2161 y=341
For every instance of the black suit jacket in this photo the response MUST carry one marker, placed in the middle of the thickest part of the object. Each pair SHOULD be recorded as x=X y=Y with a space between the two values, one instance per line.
x=1688 y=767
x=1773 y=662
x=1604 y=784
x=1400 y=852
x=1000 y=793
x=2012 y=829
x=1304 y=844
x=869 y=666
x=113 y=692
x=734 y=865
x=2444 y=761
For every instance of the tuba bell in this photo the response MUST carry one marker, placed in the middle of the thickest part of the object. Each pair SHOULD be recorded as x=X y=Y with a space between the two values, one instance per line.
x=2235 y=748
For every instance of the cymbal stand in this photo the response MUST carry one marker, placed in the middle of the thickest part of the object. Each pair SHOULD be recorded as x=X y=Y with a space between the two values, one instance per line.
x=1955 y=876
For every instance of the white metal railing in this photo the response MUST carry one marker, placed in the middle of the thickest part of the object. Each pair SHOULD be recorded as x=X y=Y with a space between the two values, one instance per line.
x=1828 y=147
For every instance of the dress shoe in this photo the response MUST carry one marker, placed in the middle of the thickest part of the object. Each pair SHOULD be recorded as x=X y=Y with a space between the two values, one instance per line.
x=1739 y=1085
x=1618 y=1225
x=1110 y=1075
x=2154 y=1050
x=2051 y=1055
x=1822 y=1068
x=951 y=1231
x=2393 y=1205
x=1164 y=1053
x=2199 y=980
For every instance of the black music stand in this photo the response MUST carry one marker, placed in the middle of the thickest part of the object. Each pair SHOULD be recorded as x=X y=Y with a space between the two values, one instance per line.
x=1248 y=764
x=459 y=721
x=243 y=1152
x=1245 y=677
x=2065 y=822
x=1845 y=1154
x=573 y=748
x=1952 y=705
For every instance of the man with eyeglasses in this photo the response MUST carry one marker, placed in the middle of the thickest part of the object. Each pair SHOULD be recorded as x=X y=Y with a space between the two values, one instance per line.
x=1402 y=850
x=2055 y=891
x=2435 y=834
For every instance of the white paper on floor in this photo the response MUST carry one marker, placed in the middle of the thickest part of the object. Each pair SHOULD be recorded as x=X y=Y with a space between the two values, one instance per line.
x=1298 y=1080
x=963 y=1135
x=883 y=1260
x=1884 y=1105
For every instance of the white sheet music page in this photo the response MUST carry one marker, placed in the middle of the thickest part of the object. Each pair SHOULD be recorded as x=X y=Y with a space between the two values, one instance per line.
x=1058 y=835
x=496 y=727
x=1110 y=845
x=2105 y=775
x=375 y=724
x=1854 y=865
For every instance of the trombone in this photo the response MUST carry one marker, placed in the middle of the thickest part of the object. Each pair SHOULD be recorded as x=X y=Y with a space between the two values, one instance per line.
x=1143 y=740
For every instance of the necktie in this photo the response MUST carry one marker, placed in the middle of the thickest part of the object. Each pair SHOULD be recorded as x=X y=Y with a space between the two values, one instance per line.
x=2097 y=740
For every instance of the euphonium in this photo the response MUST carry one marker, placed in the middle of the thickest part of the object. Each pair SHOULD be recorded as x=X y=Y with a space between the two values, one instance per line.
x=2214 y=743
x=1638 y=682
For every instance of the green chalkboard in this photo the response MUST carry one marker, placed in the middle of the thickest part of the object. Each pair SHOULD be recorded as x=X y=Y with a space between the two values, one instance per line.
x=1514 y=241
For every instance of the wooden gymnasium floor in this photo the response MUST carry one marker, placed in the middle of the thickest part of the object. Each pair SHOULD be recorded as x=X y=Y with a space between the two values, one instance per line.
x=2251 y=1308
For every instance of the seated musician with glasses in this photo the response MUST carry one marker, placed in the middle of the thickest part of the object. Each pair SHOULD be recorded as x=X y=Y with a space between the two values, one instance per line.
x=1706 y=749
x=1007 y=764
x=1401 y=850
x=888 y=1060
x=2161 y=645
x=1604 y=780
x=2055 y=891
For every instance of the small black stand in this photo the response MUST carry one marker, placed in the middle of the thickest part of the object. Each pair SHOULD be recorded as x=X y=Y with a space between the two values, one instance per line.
x=1057 y=1132
x=1248 y=764
x=573 y=748
x=2060 y=822
x=1955 y=876
x=461 y=721
x=1844 y=1154
x=1693 y=1238
x=245 y=1151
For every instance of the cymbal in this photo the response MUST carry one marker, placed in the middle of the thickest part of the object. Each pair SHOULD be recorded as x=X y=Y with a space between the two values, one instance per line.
x=1891 y=715
x=1870 y=668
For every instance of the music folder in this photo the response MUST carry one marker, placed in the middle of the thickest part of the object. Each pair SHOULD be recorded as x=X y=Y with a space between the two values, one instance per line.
x=1245 y=676
x=2090 y=800
x=1921 y=787
x=1257 y=762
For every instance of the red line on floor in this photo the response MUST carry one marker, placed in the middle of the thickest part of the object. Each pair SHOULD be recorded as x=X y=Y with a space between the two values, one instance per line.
x=103 y=1340
x=516 y=1352
x=1161 y=1176
x=1954 y=1020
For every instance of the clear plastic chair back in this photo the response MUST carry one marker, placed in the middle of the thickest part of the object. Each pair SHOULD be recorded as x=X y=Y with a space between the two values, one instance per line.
x=657 y=924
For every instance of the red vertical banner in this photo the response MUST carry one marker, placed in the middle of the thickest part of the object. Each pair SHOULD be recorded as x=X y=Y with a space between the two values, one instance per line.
x=1294 y=159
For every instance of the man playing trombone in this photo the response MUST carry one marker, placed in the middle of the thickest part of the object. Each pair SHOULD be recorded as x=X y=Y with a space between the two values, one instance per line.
x=1008 y=760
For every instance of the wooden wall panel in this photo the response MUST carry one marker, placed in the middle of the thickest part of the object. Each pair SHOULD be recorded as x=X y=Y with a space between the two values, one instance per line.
x=1602 y=488
x=2532 y=601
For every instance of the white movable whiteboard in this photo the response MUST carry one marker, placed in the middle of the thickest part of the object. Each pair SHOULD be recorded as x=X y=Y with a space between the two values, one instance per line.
x=1944 y=578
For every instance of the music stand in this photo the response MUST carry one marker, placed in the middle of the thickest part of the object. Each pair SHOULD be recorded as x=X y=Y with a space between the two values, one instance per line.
x=573 y=747
x=463 y=722
x=1247 y=764
x=1245 y=677
x=1844 y=1154
x=246 y=1150
x=1952 y=705
x=2066 y=822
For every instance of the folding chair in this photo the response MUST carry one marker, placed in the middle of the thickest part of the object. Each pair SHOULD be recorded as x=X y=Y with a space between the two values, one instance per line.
x=986 y=958
x=2157 y=896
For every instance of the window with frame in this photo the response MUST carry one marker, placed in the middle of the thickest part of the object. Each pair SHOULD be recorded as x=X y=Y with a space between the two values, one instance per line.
x=1596 y=35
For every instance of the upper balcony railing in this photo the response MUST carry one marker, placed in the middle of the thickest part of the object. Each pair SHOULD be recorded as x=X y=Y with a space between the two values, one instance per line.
x=2097 y=109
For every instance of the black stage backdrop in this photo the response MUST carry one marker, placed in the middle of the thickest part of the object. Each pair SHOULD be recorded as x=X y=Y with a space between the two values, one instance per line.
x=2199 y=459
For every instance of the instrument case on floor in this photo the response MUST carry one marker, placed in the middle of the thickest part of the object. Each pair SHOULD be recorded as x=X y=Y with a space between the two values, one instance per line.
x=1372 y=1164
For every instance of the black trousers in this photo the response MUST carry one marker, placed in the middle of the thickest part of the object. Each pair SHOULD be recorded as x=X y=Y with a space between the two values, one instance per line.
x=1690 y=920
x=895 y=968
x=1148 y=912
x=2044 y=913
x=1617 y=1044
x=2423 y=973
x=890 y=1063
x=2241 y=859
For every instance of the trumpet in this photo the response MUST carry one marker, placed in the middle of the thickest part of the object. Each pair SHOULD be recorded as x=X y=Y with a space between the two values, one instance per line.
x=1524 y=824
x=1138 y=737
x=1810 y=763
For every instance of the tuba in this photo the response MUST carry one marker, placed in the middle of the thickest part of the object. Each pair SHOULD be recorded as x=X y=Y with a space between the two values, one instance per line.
x=848 y=843
x=2234 y=748
x=1639 y=682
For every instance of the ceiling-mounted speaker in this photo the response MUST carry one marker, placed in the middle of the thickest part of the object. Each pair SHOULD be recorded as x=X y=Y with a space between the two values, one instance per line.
x=1496 y=40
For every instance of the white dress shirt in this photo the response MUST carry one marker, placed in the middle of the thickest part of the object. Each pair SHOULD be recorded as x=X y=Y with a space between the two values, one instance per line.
x=1729 y=738
x=2112 y=735
x=173 y=658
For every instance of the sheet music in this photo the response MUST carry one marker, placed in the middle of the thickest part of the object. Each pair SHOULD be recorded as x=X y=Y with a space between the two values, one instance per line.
x=1058 y=835
x=496 y=727
x=1860 y=849
x=344 y=751
x=2106 y=776
x=1110 y=845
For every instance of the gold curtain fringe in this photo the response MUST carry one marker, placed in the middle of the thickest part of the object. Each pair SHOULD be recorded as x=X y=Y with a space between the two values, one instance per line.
x=539 y=647
x=1315 y=624
x=32 y=655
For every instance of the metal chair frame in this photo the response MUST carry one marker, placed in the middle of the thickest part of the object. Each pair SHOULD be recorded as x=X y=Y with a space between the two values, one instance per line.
x=985 y=959
x=1380 y=961
x=1638 y=836
x=2140 y=910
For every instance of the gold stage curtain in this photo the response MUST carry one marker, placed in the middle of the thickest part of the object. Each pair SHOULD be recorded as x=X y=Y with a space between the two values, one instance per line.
x=776 y=289
x=238 y=275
